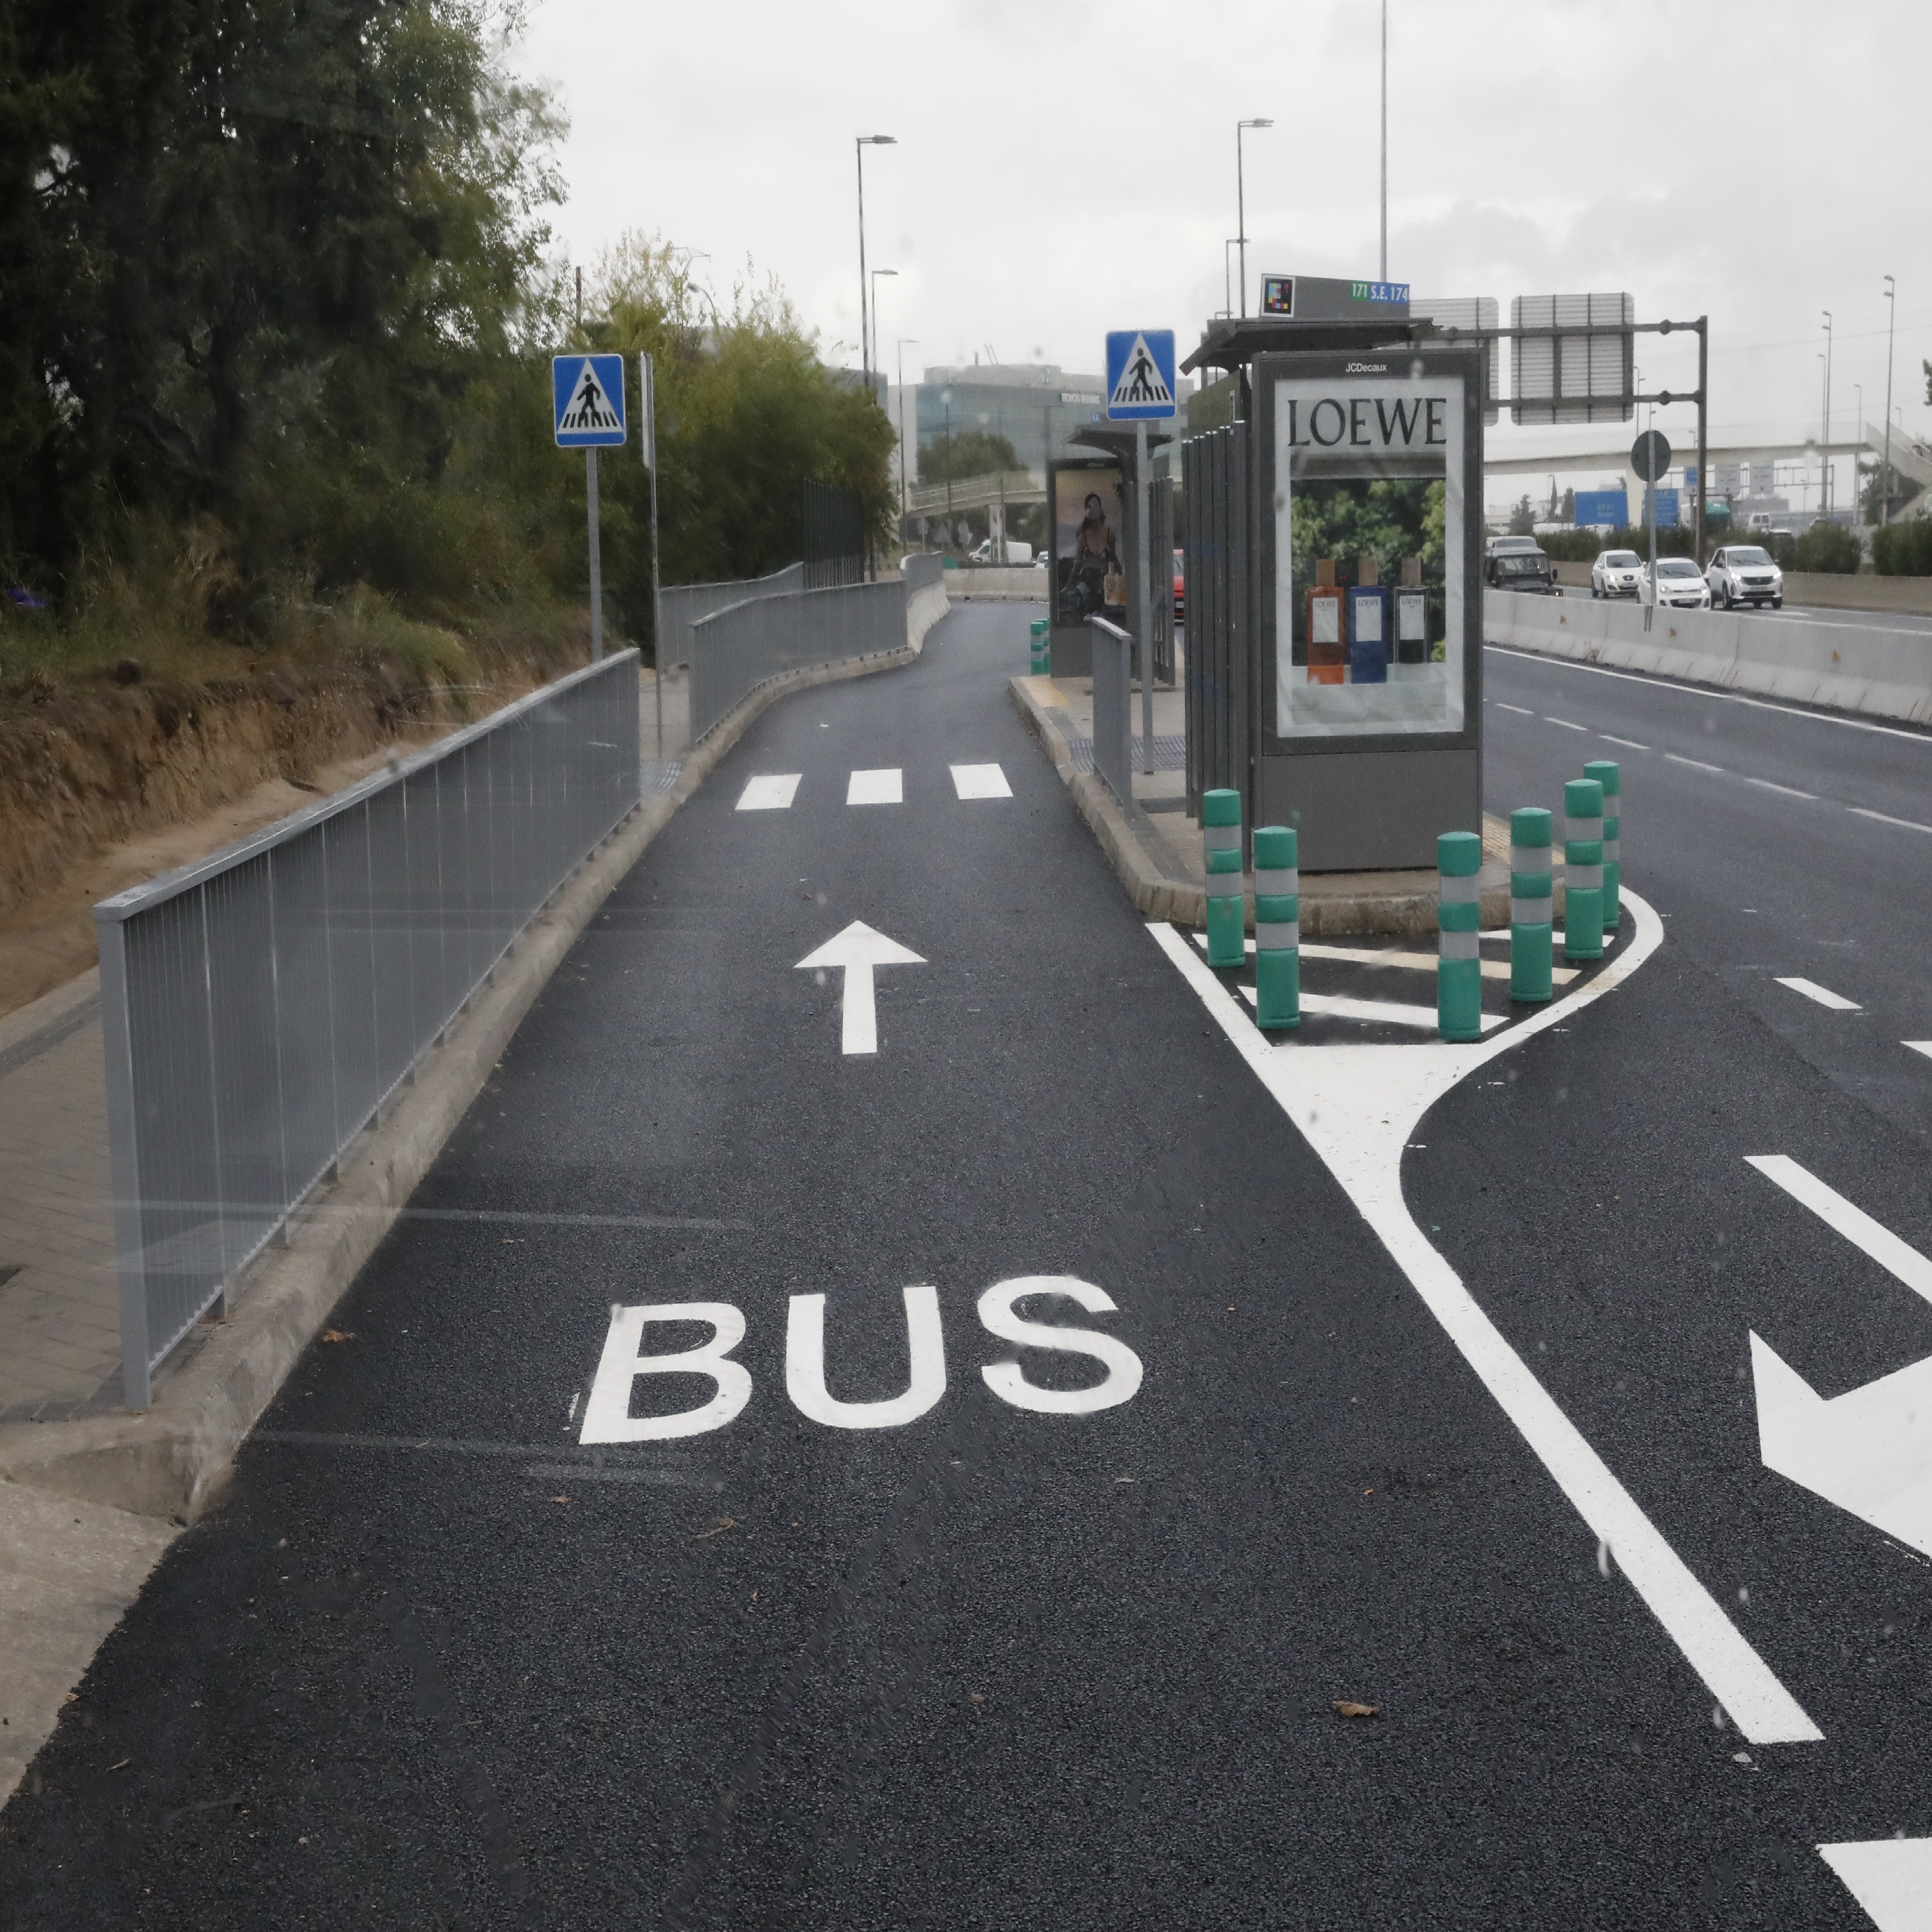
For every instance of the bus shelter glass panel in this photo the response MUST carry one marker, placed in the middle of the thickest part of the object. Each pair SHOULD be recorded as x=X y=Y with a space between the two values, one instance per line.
x=1371 y=628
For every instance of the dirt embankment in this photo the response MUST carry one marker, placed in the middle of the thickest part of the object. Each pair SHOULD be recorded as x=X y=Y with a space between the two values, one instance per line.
x=100 y=789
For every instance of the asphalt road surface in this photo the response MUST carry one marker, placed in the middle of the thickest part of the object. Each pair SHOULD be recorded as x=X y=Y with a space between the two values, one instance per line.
x=928 y=1622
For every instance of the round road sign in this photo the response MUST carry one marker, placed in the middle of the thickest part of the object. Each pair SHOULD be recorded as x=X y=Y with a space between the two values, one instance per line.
x=1650 y=455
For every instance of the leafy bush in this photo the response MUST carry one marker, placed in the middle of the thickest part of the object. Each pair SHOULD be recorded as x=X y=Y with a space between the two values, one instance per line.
x=1831 y=549
x=1904 y=549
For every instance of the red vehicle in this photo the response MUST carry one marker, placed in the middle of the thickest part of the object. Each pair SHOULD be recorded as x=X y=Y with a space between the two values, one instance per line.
x=1180 y=585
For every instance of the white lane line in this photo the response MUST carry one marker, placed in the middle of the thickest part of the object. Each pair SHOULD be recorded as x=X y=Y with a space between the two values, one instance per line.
x=1727 y=697
x=1565 y=722
x=1886 y=818
x=773 y=791
x=1924 y=1046
x=886 y=786
x=1788 y=791
x=1415 y=962
x=1390 y=1012
x=1695 y=764
x=1521 y=710
x=1628 y=744
x=1823 y=995
x=1896 y=1257
x=980 y=782
x=1384 y=1091
x=1890 y=1877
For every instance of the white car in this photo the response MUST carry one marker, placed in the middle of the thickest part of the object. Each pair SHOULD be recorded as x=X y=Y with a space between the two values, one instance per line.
x=1616 y=573
x=1745 y=574
x=1679 y=585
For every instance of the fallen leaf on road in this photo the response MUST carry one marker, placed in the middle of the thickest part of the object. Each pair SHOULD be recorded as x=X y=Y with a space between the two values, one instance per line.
x=559 y=1499
x=338 y=1334
x=1343 y=1709
x=122 y=1766
x=719 y=1525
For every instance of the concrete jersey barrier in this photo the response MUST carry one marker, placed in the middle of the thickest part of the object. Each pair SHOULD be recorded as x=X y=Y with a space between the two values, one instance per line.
x=1848 y=666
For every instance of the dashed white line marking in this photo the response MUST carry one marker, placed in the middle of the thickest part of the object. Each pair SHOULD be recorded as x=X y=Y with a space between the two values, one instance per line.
x=1896 y=1257
x=1886 y=818
x=772 y=792
x=1823 y=995
x=980 y=782
x=1565 y=722
x=1521 y=710
x=1628 y=744
x=886 y=786
x=1695 y=764
x=1788 y=791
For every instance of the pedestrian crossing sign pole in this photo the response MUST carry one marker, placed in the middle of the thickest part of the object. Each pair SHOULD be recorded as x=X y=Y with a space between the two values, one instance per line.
x=1141 y=390
x=587 y=397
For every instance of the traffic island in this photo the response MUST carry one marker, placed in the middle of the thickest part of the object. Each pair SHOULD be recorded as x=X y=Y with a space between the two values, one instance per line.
x=1157 y=853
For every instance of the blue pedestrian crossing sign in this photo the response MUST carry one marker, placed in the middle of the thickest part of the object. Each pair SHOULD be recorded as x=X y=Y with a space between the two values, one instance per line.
x=588 y=395
x=1140 y=374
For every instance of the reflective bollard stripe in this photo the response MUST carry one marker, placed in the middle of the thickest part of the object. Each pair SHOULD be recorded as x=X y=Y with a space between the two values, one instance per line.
x=1532 y=905
x=1227 y=914
x=1277 y=927
x=1459 y=919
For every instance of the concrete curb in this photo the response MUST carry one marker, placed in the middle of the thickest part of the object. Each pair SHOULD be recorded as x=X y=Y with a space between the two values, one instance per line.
x=1333 y=904
x=29 y=1031
x=170 y=1460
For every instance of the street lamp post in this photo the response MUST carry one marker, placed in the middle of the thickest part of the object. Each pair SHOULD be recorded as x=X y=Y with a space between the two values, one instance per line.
x=1825 y=498
x=903 y=340
x=1241 y=202
x=1858 y=436
x=1885 y=473
x=861 y=142
x=1384 y=274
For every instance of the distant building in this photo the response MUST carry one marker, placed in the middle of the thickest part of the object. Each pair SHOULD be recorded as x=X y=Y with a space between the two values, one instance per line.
x=1036 y=406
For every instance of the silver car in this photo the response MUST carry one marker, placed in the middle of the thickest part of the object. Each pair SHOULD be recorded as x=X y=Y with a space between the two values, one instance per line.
x=1616 y=573
x=1745 y=574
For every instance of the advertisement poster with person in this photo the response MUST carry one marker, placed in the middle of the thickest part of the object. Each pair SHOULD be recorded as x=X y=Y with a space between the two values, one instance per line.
x=1088 y=579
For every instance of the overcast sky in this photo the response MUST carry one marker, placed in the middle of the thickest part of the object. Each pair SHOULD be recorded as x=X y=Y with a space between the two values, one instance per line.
x=1064 y=168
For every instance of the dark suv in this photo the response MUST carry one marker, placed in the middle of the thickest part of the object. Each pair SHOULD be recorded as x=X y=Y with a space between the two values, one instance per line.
x=1526 y=569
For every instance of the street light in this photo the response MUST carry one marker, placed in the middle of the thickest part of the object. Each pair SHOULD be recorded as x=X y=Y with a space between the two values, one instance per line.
x=876 y=274
x=1858 y=436
x=861 y=142
x=1384 y=276
x=1825 y=498
x=1241 y=202
x=903 y=340
x=1884 y=474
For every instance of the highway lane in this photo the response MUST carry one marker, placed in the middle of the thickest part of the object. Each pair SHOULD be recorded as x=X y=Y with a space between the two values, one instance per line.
x=1779 y=843
x=447 y=1652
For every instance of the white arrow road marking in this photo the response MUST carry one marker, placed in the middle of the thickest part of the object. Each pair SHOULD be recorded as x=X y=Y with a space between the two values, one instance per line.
x=1823 y=995
x=858 y=949
x=980 y=782
x=1924 y=1046
x=1891 y=1878
x=771 y=791
x=886 y=786
x=1357 y=1106
x=1869 y=1450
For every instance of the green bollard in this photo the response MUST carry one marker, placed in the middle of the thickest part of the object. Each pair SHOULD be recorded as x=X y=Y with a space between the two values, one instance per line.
x=1583 y=869
x=1608 y=775
x=1227 y=916
x=1531 y=939
x=1043 y=646
x=1277 y=927
x=1458 y=919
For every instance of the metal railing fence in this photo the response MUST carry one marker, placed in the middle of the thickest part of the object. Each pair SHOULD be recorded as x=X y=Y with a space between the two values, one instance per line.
x=1113 y=706
x=681 y=605
x=734 y=650
x=261 y=1004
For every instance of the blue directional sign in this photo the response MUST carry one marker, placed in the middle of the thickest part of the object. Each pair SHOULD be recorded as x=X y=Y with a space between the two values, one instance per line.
x=588 y=395
x=1602 y=507
x=1140 y=374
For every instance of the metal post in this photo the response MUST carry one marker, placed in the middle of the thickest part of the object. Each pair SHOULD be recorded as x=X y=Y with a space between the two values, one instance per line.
x=1385 y=275
x=1825 y=485
x=596 y=559
x=1650 y=493
x=647 y=382
x=1885 y=473
x=1703 y=405
x=1144 y=580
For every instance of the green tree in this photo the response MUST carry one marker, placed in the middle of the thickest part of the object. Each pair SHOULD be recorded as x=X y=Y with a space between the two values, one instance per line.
x=972 y=453
x=1831 y=548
